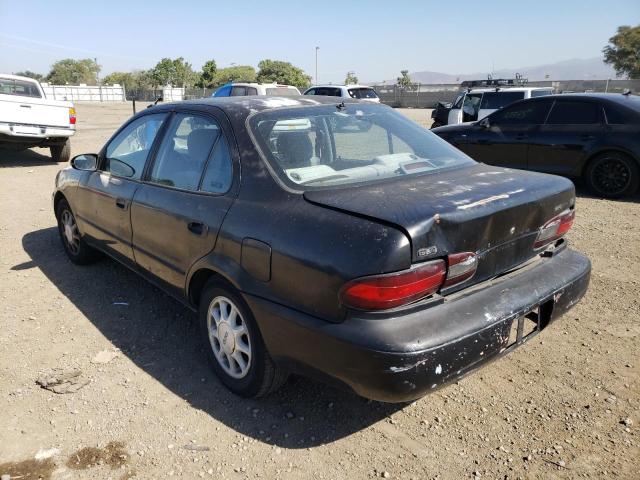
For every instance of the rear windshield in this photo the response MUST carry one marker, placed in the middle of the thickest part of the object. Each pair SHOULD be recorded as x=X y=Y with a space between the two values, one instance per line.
x=362 y=93
x=283 y=91
x=24 y=88
x=321 y=146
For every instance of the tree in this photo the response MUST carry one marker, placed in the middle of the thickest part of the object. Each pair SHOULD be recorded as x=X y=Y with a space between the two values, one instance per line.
x=121 y=78
x=282 y=72
x=176 y=72
x=404 y=81
x=208 y=74
x=74 y=72
x=623 y=51
x=30 y=74
x=237 y=73
x=351 y=79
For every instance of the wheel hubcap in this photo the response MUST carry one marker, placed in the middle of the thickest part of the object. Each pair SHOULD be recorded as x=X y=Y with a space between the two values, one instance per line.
x=70 y=231
x=611 y=176
x=229 y=337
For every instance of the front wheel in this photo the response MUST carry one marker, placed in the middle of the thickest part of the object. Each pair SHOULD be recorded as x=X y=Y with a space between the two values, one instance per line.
x=233 y=343
x=612 y=175
x=75 y=247
x=62 y=152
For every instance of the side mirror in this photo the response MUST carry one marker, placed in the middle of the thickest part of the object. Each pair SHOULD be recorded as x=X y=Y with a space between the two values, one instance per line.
x=86 y=161
x=484 y=123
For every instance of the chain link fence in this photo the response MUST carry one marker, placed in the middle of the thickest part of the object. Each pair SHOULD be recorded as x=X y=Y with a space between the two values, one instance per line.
x=427 y=96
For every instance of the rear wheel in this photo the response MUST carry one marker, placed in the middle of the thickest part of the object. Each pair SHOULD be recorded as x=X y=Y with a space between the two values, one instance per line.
x=234 y=345
x=612 y=175
x=76 y=248
x=62 y=152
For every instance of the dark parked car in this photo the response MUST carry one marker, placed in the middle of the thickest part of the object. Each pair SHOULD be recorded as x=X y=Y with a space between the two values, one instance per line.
x=595 y=137
x=377 y=257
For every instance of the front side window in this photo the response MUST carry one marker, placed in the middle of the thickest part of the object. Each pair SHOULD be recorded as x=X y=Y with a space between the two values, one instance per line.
x=127 y=153
x=497 y=100
x=323 y=146
x=524 y=113
x=574 y=113
x=184 y=151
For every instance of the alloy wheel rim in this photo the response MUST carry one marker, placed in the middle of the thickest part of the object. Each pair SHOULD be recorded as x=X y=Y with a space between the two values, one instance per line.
x=229 y=337
x=611 y=176
x=70 y=232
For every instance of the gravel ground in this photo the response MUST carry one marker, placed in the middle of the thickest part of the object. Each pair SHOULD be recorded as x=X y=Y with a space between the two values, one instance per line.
x=147 y=406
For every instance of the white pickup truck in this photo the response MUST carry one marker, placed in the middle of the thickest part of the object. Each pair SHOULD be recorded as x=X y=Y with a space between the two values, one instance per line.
x=28 y=119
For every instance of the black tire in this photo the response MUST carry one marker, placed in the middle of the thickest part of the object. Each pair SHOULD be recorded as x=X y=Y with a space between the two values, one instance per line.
x=262 y=375
x=77 y=249
x=62 y=152
x=612 y=175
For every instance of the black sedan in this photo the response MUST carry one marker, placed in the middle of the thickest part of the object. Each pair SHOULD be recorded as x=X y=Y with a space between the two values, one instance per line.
x=326 y=237
x=595 y=137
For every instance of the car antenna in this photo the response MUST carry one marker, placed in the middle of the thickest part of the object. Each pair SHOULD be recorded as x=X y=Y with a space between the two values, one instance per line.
x=341 y=106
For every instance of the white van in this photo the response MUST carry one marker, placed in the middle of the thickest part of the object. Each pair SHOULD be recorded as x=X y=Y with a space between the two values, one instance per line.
x=476 y=103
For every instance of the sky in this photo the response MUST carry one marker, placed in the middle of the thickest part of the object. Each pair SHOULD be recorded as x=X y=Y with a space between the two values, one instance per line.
x=374 y=39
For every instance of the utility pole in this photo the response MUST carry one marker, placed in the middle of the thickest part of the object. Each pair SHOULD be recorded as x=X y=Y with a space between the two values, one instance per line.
x=317 y=48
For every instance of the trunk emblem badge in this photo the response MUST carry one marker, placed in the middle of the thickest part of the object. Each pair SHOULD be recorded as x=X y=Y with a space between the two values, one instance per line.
x=513 y=230
x=424 y=252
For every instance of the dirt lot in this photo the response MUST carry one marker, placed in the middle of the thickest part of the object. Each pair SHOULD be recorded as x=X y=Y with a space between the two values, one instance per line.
x=564 y=406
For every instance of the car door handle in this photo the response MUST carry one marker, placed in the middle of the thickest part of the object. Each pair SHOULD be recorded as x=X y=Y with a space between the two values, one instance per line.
x=198 y=228
x=587 y=137
x=121 y=203
x=25 y=106
x=521 y=136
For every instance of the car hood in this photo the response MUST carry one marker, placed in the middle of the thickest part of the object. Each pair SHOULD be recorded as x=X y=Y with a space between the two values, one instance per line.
x=494 y=212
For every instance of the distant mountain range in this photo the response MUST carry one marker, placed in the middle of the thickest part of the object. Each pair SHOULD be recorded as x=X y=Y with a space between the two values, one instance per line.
x=574 y=69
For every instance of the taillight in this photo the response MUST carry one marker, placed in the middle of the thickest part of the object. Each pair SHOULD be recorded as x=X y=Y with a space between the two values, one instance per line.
x=72 y=116
x=555 y=228
x=462 y=266
x=379 y=292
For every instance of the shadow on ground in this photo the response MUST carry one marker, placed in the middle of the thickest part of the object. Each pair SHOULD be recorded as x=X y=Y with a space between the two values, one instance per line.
x=160 y=336
x=26 y=158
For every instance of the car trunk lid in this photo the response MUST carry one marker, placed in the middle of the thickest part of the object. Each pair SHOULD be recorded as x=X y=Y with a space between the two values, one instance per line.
x=493 y=212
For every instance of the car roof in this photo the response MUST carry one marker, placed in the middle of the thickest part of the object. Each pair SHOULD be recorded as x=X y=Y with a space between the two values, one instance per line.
x=354 y=85
x=246 y=105
x=17 y=77
x=509 y=89
x=255 y=84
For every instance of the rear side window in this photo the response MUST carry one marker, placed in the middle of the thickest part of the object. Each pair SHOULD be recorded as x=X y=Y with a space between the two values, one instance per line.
x=284 y=91
x=184 y=151
x=497 y=100
x=524 y=113
x=238 y=91
x=362 y=93
x=252 y=91
x=574 y=113
x=618 y=116
x=540 y=93
x=19 y=87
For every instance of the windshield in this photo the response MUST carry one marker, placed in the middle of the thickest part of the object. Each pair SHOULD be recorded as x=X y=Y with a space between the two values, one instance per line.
x=327 y=145
x=362 y=93
x=283 y=91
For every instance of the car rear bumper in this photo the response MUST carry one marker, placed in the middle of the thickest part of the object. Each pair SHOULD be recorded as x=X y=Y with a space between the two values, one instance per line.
x=28 y=133
x=404 y=357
